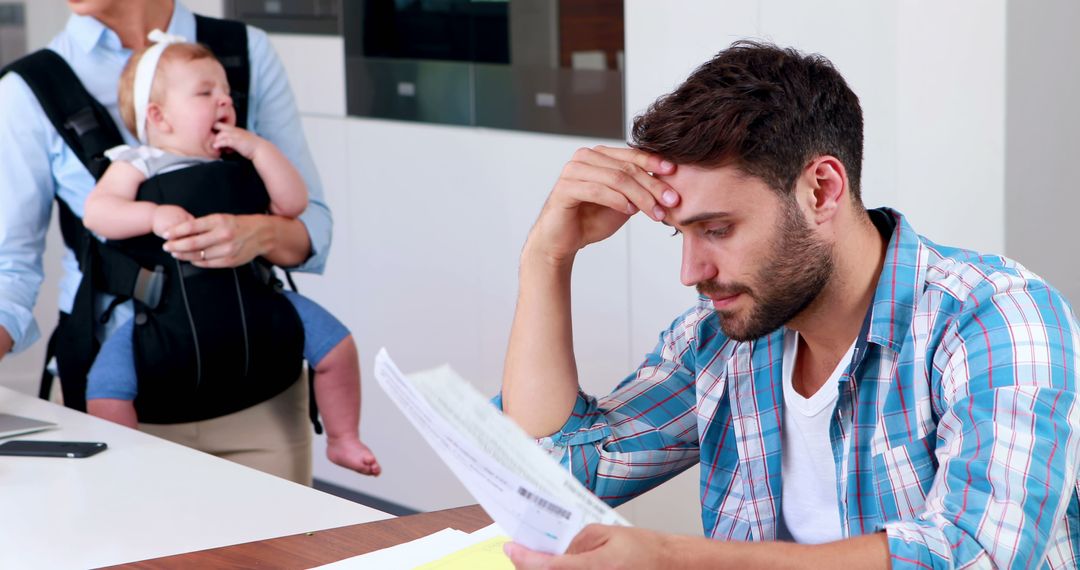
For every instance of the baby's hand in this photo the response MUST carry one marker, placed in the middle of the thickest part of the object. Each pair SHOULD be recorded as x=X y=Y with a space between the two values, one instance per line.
x=242 y=141
x=167 y=217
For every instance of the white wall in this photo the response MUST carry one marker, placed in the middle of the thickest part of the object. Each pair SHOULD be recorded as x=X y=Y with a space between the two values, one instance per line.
x=44 y=18
x=429 y=222
x=951 y=120
x=1042 y=149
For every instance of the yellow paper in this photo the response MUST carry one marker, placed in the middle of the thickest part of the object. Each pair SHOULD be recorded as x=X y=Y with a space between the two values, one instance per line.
x=487 y=555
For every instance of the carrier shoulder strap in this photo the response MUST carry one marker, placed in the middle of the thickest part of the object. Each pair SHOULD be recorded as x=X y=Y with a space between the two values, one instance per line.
x=86 y=126
x=79 y=119
x=229 y=42
x=83 y=123
x=88 y=130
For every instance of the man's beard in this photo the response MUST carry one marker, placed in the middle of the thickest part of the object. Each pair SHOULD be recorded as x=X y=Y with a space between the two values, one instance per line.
x=797 y=270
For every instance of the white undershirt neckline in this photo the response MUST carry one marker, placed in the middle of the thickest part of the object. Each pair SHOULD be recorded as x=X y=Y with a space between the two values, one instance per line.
x=810 y=508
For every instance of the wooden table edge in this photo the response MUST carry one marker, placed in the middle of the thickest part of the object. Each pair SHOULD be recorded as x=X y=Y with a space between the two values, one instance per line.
x=322 y=546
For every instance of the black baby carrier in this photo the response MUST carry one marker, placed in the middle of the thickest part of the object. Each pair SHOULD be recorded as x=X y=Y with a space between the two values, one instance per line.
x=208 y=342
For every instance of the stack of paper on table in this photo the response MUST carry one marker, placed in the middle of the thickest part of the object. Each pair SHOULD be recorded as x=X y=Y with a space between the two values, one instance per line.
x=448 y=549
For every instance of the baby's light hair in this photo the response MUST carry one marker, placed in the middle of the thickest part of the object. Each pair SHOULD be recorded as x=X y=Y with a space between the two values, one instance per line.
x=179 y=52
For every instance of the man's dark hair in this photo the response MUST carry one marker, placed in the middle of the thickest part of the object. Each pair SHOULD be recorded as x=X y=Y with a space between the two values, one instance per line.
x=767 y=110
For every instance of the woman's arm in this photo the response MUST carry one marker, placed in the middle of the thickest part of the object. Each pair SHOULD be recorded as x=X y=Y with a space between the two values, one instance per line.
x=225 y=240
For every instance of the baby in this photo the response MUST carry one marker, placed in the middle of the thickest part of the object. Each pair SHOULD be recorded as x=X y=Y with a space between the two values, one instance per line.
x=186 y=117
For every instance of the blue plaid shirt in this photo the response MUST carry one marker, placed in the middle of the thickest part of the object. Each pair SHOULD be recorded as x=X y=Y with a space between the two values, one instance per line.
x=956 y=430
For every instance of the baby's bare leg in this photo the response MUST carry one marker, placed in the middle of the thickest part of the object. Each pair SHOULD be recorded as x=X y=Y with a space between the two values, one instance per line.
x=114 y=410
x=337 y=392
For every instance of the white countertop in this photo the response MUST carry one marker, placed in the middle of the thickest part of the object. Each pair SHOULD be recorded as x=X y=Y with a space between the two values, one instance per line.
x=142 y=498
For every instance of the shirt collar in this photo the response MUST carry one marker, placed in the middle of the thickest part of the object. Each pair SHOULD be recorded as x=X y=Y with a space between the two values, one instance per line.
x=88 y=32
x=85 y=31
x=902 y=280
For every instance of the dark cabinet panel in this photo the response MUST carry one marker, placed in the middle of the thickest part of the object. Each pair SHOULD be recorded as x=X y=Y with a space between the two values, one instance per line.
x=551 y=66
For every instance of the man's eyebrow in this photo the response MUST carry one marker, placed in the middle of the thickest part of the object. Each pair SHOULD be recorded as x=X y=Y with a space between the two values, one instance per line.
x=704 y=217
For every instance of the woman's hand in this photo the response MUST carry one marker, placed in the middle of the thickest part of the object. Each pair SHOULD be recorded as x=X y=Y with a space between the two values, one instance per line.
x=219 y=240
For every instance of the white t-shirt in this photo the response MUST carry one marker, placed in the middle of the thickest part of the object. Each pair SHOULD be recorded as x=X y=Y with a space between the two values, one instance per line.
x=811 y=511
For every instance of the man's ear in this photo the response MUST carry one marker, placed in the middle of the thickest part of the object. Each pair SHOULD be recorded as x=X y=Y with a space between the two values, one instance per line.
x=825 y=182
x=156 y=117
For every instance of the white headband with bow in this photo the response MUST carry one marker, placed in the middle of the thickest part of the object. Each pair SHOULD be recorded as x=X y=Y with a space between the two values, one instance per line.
x=144 y=76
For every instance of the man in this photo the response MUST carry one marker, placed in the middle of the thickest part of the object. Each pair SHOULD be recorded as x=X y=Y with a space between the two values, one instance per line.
x=845 y=383
x=36 y=166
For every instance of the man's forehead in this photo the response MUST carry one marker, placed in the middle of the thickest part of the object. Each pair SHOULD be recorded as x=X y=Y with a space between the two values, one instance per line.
x=709 y=193
x=692 y=176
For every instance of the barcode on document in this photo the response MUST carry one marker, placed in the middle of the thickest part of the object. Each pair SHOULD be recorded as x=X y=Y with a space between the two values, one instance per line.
x=543 y=504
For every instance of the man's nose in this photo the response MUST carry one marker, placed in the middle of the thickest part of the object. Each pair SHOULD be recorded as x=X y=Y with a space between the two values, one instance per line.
x=697 y=264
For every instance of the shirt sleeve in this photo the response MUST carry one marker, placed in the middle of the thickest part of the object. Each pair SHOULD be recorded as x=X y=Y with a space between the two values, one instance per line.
x=273 y=115
x=26 y=193
x=643 y=433
x=1007 y=439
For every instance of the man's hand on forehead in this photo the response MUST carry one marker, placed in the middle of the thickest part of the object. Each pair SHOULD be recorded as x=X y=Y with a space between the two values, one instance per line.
x=595 y=195
x=634 y=174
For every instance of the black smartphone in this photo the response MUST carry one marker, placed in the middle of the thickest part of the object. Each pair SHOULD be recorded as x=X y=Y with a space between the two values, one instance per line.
x=37 y=448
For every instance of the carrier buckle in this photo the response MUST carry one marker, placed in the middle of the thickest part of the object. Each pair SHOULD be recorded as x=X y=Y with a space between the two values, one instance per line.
x=265 y=275
x=149 y=285
x=82 y=121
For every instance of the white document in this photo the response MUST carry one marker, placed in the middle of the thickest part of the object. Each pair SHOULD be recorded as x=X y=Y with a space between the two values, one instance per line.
x=538 y=502
x=417 y=552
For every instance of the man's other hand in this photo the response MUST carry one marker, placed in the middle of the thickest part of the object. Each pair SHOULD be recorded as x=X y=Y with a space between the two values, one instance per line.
x=602 y=546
